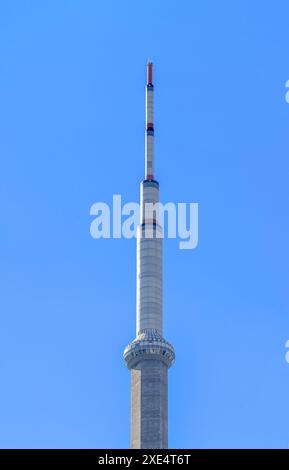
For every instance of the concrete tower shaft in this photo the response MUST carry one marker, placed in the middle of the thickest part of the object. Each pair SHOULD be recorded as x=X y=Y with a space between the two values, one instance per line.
x=149 y=355
x=149 y=262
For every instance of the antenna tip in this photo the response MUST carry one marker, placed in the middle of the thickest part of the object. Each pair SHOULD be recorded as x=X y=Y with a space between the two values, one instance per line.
x=149 y=72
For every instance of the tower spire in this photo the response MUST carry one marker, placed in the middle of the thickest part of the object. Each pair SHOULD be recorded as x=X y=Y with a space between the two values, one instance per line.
x=149 y=72
x=149 y=137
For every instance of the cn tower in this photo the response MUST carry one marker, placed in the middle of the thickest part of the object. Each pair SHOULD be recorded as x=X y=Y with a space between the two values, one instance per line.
x=149 y=355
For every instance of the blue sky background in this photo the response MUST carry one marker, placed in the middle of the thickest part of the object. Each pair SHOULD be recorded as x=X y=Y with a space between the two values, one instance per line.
x=72 y=76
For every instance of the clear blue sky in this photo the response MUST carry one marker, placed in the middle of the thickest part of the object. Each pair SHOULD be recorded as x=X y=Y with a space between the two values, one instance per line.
x=72 y=75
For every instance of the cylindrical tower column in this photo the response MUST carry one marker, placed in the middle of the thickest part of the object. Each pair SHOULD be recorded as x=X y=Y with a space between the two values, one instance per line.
x=149 y=261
